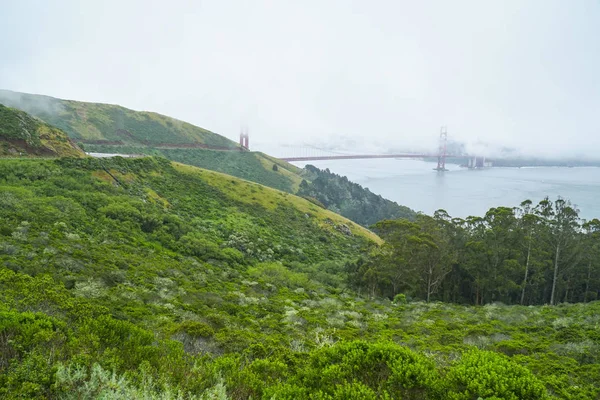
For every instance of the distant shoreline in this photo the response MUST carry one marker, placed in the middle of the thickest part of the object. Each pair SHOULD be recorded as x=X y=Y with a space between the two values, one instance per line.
x=519 y=163
x=530 y=162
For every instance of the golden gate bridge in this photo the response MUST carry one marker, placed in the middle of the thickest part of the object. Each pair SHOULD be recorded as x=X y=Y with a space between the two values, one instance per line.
x=313 y=153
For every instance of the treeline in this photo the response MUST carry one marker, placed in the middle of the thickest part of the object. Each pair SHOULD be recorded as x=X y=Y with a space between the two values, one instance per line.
x=350 y=199
x=542 y=254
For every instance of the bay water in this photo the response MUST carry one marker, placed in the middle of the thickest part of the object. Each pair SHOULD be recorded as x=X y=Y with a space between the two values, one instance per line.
x=463 y=192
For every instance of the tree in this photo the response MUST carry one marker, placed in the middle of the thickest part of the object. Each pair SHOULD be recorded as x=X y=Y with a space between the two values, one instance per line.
x=436 y=252
x=475 y=259
x=562 y=221
x=592 y=238
x=396 y=256
x=417 y=256
x=528 y=221
x=500 y=240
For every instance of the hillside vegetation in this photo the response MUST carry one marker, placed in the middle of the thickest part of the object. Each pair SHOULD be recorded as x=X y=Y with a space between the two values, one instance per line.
x=350 y=199
x=23 y=135
x=253 y=166
x=143 y=278
x=329 y=190
x=107 y=128
x=112 y=124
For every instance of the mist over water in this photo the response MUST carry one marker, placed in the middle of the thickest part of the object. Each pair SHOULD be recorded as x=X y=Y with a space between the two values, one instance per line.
x=464 y=192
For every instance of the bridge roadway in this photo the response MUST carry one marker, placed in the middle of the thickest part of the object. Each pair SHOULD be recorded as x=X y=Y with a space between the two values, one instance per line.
x=366 y=156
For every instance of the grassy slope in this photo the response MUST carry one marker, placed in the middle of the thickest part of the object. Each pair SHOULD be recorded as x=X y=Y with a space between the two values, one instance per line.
x=21 y=134
x=104 y=122
x=262 y=196
x=335 y=192
x=252 y=166
x=145 y=276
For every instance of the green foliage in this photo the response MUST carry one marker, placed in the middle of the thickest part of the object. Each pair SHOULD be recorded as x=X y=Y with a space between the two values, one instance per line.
x=138 y=278
x=349 y=199
x=400 y=298
x=197 y=329
x=247 y=165
x=384 y=369
x=278 y=275
x=75 y=382
x=487 y=375
x=18 y=125
x=526 y=255
x=22 y=135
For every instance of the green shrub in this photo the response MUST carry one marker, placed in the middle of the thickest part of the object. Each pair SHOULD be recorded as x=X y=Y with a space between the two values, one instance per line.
x=196 y=329
x=400 y=298
x=377 y=367
x=488 y=375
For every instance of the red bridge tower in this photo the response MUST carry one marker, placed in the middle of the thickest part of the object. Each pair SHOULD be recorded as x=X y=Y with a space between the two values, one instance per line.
x=441 y=166
x=244 y=139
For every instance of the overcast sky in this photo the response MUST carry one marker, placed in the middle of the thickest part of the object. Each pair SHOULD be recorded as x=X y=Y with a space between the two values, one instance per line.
x=523 y=73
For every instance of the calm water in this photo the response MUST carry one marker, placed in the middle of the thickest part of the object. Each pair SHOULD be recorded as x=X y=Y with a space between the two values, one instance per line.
x=464 y=192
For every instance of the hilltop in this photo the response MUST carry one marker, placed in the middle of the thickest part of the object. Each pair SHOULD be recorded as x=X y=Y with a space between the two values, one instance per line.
x=96 y=123
x=23 y=135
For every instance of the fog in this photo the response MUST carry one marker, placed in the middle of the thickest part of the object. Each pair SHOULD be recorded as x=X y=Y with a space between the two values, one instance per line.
x=375 y=75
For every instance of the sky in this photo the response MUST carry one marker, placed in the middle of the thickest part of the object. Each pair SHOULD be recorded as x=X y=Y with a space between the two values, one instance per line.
x=374 y=75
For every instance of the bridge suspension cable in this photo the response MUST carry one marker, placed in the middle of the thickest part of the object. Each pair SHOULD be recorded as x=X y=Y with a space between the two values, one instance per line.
x=307 y=152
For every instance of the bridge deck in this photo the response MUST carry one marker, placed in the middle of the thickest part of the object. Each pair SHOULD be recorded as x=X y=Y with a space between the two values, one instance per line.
x=366 y=156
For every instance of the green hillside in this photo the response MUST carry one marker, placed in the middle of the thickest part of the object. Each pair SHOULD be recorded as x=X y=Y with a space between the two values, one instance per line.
x=146 y=279
x=107 y=128
x=112 y=124
x=253 y=166
x=349 y=199
x=22 y=135
x=330 y=190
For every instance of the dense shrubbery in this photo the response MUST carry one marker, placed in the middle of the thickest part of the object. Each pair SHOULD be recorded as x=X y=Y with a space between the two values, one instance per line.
x=156 y=281
x=23 y=135
x=327 y=190
x=321 y=187
x=83 y=351
x=15 y=124
x=245 y=165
